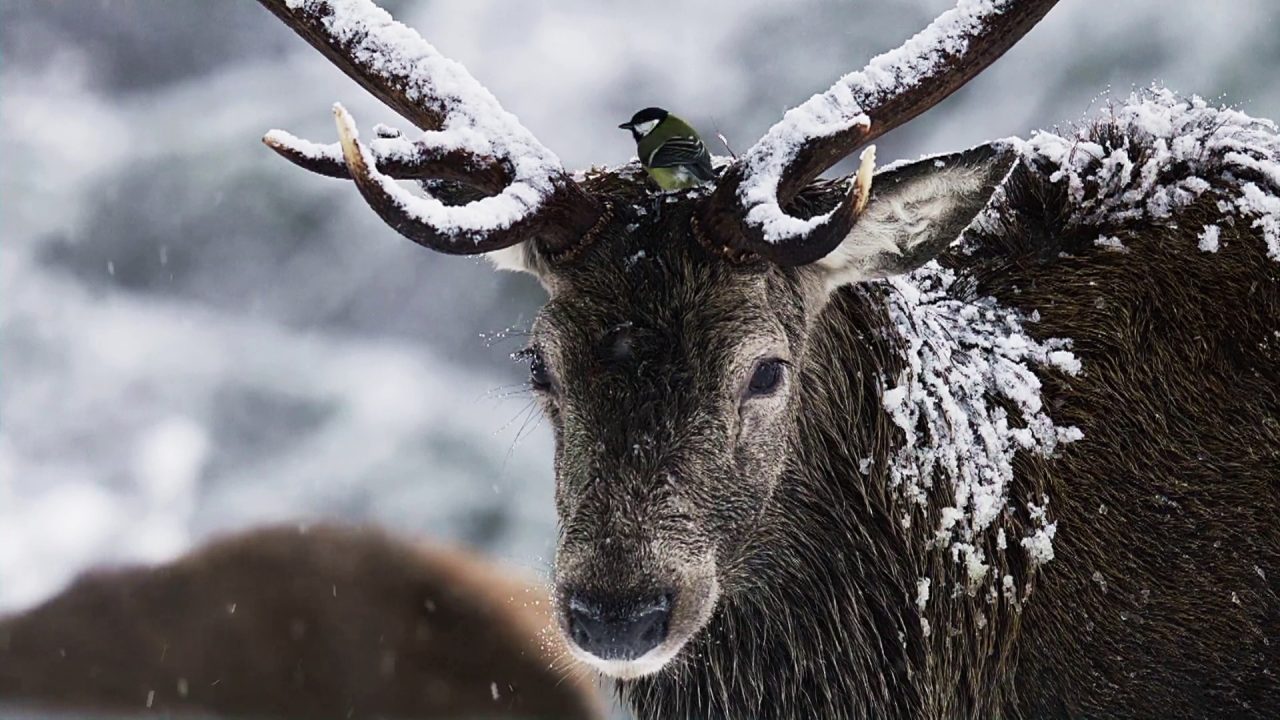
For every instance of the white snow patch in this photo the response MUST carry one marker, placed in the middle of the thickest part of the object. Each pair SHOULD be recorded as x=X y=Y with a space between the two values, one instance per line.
x=962 y=356
x=384 y=149
x=922 y=593
x=974 y=560
x=168 y=462
x=1182 y=142
x=1006 y=584
x=1039 y=544
x=922 y=601
x=1111 y=243
x=1209 y=238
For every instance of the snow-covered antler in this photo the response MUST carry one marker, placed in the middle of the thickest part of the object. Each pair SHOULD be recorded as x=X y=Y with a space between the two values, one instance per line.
x=468 y=138
x=746 y=211
x=398 y=157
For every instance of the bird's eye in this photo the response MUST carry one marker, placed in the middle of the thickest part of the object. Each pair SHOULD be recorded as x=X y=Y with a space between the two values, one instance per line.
x=539 y=374
x=766 y=377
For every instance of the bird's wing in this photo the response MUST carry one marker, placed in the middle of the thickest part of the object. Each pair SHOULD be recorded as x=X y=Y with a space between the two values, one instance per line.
x=685 y=152
x=702 y=169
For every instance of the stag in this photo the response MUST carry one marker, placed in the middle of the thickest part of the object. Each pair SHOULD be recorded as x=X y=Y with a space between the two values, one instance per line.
x=989 y=434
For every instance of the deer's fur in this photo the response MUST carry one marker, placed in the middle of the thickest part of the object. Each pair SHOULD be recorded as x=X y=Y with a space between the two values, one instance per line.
x=326 y=622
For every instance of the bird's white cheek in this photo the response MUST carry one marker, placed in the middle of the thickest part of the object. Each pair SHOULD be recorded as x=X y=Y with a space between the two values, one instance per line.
x=646 y=127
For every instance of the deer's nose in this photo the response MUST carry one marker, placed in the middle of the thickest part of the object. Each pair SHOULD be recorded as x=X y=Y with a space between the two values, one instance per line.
x=613 y=630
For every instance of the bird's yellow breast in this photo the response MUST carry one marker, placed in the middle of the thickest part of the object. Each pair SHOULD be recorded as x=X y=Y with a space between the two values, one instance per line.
x=673 y=178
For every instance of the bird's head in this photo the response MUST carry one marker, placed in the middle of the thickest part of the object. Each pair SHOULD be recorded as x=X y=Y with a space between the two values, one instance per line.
x=643 y=122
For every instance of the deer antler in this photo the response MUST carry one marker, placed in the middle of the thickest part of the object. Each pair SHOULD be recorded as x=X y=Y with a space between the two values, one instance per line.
x=746 y=210
x=469 y=138
x=397 y=157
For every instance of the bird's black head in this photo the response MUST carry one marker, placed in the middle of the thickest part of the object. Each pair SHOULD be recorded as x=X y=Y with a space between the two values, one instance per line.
x=643 y=122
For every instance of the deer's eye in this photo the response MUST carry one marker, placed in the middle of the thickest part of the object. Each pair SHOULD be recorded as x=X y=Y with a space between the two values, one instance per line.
x=766 y=377
x=539 y=374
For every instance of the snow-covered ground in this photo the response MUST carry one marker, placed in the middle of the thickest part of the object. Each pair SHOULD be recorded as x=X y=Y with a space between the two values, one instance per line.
x=196 y=336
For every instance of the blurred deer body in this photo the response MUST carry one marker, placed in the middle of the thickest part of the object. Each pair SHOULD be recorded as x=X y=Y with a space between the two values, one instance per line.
x=315 y=623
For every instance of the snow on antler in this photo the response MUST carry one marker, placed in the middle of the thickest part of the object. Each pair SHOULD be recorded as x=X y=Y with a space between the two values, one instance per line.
x=388 y=150
x=396 y=156
x=459 y=114
x=845 y=105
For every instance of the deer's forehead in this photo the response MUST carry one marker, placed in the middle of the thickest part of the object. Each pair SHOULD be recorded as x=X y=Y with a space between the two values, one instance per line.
x=629 y=318
x=703 y=317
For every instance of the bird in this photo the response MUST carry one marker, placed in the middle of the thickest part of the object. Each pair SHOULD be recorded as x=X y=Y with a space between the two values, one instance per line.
x=669 y=149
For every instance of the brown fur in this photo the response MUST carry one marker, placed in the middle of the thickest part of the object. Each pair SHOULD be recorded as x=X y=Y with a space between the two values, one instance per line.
x=325 y=622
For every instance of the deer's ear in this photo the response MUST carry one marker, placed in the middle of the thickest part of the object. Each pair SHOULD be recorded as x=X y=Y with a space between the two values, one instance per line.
x=523 y=257
x=520 y=257
x=915 y=211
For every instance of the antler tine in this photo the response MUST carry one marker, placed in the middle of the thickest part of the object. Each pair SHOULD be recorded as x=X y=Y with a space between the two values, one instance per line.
x=470 y=138
x=482 y=226
x=746 y=210
x=396 y=157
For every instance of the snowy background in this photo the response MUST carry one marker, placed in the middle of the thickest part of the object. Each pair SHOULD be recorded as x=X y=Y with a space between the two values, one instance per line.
x=196 y=336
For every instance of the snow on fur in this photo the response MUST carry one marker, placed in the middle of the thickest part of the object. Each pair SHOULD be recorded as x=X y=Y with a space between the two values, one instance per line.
x=1209 y=238
x=841 y=108
x=1163 y=153
x=1039 y=545
x=1171 y=151
x=474 y=121
x=961 y=357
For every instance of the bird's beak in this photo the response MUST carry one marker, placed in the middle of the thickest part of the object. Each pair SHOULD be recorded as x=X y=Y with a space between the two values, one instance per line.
x=626 y=126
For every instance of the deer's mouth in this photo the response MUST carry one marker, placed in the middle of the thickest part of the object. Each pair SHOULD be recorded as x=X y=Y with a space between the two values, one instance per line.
x=635 y=634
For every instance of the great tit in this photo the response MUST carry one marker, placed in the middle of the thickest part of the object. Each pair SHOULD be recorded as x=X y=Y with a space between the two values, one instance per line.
x=669 y=149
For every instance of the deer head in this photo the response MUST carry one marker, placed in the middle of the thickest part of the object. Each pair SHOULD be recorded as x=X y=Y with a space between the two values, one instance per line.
x=673 y=356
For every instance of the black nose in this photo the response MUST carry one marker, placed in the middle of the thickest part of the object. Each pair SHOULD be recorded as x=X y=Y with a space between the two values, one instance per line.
x=618 y=630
